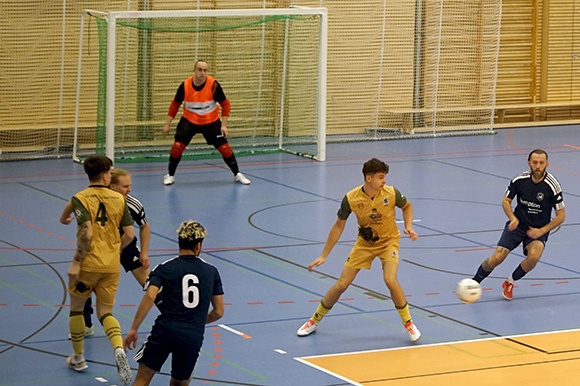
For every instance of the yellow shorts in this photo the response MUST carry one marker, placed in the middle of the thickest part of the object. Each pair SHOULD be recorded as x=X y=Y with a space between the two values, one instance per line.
x=104 y=285
x=362 y=255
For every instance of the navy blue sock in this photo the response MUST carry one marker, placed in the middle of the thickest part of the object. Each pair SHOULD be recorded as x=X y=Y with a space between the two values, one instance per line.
x=481 y=274
x=518 y=273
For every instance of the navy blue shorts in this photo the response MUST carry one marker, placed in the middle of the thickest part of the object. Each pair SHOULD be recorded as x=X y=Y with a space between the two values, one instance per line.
x=171 y=339
x=130 y=256
x=511 y=239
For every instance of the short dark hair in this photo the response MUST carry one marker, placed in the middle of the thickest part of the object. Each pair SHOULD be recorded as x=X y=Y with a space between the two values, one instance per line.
x=96 y=165
x=374 y=166
x=537 y=151
x=189 y=234
x=197 y=61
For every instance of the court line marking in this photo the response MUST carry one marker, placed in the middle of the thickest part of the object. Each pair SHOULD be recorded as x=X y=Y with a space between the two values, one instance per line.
x=328 y=371
x=512 y=338
x=234 y=331
x=509 y=337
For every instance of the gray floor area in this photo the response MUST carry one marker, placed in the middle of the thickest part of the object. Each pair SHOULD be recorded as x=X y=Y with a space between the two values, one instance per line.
x=262 y=237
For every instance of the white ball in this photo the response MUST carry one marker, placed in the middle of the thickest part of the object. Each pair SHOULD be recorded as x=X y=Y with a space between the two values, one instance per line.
x=468 y=290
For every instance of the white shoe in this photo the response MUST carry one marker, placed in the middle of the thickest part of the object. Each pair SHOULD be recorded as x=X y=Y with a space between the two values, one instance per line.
x=88 y=332
x=241 y=179
x=413 y=331
x=77 y=362
x=168 y=180
x=123 y=368
x=307 y=328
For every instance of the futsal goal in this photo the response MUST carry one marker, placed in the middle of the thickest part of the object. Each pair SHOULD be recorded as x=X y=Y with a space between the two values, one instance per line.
x=271 y=64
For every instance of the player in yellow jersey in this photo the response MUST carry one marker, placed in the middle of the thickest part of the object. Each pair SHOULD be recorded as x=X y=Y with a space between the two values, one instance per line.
x=374 y=204
x=100 y=212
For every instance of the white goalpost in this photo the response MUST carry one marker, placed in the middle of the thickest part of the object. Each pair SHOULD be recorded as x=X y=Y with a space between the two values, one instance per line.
x=271 y=64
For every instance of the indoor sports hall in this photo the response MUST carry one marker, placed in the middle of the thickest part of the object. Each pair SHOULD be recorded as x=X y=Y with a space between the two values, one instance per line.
x=452 y=95
x=262 y=237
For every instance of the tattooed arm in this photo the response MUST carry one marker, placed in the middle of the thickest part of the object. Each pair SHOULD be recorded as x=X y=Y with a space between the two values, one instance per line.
x=84 y=237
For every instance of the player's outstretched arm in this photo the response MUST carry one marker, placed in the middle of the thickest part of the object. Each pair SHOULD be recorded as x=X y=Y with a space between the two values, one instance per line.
x=506 y=204
x=66 y=217
x=130 y=341
x=217 y=303
x=536 y=233
x=145 y=236
x=84 y=238
x=128 y=235
x=333 y=237
x=408 y=220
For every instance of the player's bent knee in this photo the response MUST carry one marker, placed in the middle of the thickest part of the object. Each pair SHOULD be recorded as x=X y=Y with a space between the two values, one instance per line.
x=177 y=150
x=225 y=150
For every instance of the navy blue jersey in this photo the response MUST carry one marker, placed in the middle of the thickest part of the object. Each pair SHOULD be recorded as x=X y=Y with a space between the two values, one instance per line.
x=188 y=284
x=535 y=201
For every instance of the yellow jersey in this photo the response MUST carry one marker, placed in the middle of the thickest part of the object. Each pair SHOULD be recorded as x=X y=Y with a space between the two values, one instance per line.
x=375 y=216
x=107 y=211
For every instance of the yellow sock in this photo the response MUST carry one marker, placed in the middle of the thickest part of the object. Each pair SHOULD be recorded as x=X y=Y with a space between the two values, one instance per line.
x=404 y=313
x=112 y=329
x=76 y=325
x=321 y=310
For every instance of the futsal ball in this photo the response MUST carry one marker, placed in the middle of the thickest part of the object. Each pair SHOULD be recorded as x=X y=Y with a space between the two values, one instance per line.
x=468 y=290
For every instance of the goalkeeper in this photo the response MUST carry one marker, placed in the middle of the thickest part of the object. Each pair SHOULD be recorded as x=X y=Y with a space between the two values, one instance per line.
x=200 y=95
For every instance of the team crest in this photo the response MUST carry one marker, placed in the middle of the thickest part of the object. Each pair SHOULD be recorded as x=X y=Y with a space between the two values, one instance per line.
x=361 y=205
x=540 y=196
x=385 y=201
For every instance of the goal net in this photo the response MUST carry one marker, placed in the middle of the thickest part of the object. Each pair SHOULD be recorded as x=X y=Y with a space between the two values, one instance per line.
x=440 y=67
x=270 y=63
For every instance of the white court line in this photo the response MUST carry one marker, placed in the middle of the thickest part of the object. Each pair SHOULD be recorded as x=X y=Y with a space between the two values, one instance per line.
x=328 y=372
x=234 y=331
x=440 y=344
x=401 y=221
x=303 y=359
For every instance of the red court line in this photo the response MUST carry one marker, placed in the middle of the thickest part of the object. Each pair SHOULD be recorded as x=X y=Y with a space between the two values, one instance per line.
x=473 y=249
x=39 y=229
x=297 y=162
x=293 y=302
x=216 y=357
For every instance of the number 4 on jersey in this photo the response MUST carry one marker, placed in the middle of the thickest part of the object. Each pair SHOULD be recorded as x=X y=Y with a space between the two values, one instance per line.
x=102 y=214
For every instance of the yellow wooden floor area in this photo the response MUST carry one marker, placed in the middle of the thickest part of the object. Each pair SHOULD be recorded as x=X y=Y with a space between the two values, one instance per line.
x=541 y=359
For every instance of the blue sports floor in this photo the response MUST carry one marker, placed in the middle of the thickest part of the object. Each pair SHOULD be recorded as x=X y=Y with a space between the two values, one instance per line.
x=262 y=237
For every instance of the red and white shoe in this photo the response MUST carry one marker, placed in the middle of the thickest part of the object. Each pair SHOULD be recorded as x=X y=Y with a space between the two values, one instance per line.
x=508 y=290
x=413 y=331
x=307 y=328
